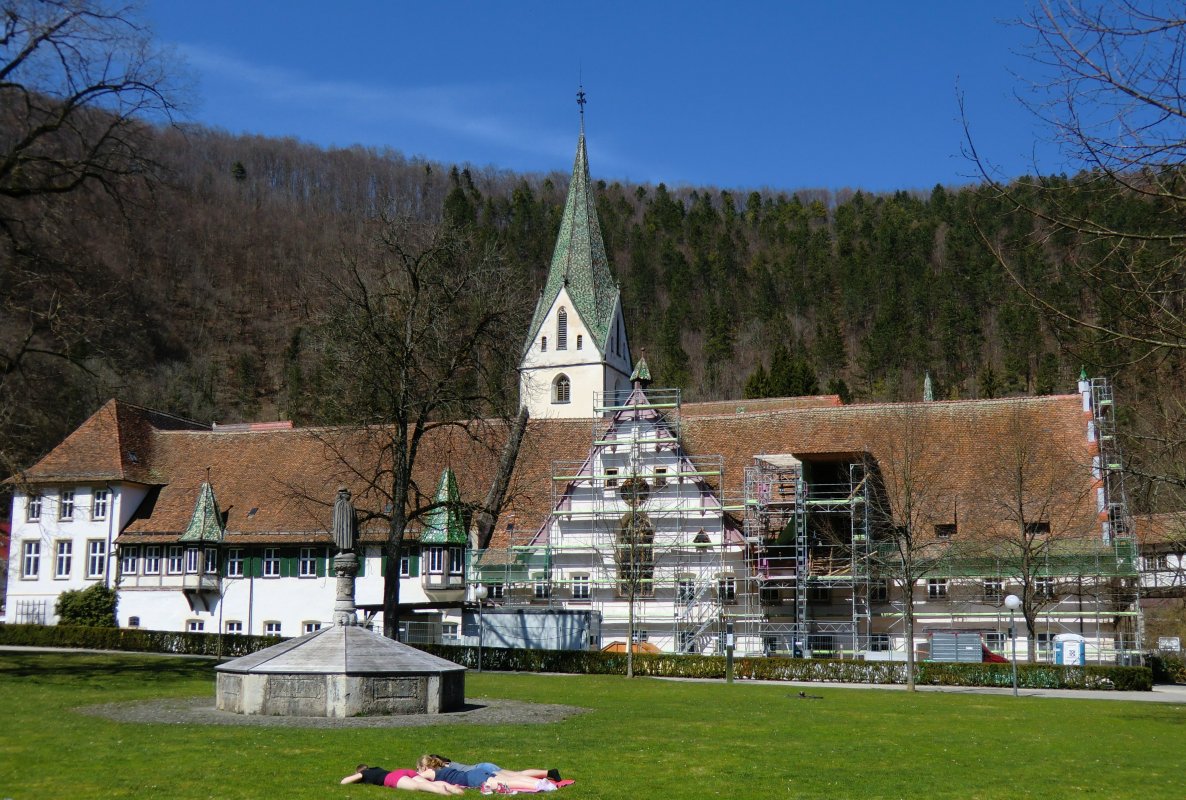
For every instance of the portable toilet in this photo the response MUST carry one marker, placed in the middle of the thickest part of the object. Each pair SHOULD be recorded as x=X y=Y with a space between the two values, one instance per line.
x=1070 y=650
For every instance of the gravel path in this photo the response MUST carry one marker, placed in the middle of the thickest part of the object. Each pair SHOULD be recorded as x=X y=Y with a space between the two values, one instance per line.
x=201 y=711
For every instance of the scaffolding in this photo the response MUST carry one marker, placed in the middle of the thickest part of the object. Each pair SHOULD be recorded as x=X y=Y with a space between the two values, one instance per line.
x=636 y=529
x=808 y=540
x=1117 y=522
x=639 y=529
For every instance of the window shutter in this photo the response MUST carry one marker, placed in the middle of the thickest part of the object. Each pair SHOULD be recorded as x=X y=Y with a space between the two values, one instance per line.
x=288 y=564
x=414 y=565
x=322 y=566
x=362 y=561
x=382 y=562
x=255 y=566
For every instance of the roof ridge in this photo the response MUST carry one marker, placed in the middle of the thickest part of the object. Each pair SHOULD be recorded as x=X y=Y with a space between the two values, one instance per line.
x=876 y=406
x=154 y=411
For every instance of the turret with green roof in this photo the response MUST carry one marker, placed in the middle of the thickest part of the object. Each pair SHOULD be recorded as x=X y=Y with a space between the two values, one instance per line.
x=443 y=524
x=206 y=523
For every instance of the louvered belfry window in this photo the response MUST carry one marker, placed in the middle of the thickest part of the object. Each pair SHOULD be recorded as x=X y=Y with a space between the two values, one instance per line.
x=561 y=329
x=562 y=390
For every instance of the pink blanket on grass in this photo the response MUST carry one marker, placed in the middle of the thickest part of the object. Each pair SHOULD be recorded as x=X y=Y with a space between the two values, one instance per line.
x=559 y=785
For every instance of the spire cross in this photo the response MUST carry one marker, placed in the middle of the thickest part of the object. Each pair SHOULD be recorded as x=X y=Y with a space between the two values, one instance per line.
x=581 y=99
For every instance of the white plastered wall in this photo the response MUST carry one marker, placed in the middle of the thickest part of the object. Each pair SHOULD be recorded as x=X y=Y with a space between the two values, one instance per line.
x=587 y=368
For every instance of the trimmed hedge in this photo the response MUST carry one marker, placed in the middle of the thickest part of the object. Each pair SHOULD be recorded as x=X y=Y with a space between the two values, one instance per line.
x=592 y=662
x=1029 y=676
x=133 y=639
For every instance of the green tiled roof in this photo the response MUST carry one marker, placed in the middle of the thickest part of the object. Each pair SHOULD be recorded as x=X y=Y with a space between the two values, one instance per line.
x=443 y=525
x=579 y=262
x=206 y=523
x=641 y=371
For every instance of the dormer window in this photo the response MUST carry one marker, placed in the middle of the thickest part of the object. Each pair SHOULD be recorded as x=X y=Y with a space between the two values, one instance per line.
x=543 y=344
x=561 y=389
x=561 y=329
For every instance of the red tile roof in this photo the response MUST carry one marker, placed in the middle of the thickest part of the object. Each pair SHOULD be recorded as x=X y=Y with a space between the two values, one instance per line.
x=115 y=444
x=279 y=485
x=962 y=456
x=765 y=404
x=1155 y=529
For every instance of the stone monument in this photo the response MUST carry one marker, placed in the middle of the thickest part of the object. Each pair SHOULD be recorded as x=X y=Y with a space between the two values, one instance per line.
x=343 y=670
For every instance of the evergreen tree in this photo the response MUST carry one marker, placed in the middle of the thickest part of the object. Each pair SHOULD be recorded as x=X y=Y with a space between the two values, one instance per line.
x=757 y=385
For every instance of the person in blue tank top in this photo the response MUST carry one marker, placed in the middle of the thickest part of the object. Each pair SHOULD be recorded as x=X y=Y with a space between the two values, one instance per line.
x=484 y=774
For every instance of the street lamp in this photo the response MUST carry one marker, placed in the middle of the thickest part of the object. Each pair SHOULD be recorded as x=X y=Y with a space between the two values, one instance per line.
x=1013 y=602
x=479 y=592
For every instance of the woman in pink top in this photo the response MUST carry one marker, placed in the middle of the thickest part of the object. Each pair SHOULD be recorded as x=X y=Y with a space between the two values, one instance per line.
x=400 y=779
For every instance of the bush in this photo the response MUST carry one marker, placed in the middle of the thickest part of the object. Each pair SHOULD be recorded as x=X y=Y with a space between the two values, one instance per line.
x=669 y=665
x=92 y=607
x=1167 y=668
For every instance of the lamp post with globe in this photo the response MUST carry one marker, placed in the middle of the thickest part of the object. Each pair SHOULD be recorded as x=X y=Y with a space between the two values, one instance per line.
x=478 y=593
x=1013 y=602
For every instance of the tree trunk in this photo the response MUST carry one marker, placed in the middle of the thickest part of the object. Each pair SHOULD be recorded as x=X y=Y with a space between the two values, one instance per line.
x=391 y=580
x=488 y=516
x=630 y=634
x=909 y=620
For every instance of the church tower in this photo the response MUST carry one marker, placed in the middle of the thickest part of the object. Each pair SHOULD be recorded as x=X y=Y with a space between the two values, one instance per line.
x=576 y=345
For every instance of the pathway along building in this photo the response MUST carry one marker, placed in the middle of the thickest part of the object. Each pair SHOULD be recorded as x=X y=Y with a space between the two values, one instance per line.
x=629 y=513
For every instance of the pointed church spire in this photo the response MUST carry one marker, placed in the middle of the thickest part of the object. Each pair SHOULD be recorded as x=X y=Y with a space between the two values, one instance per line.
x=579 y=263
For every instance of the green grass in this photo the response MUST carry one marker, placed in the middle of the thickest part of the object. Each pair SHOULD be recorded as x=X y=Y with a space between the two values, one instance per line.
x=644 y=738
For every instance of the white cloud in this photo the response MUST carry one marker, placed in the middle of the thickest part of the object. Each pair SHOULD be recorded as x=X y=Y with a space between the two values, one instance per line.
x=454 y=110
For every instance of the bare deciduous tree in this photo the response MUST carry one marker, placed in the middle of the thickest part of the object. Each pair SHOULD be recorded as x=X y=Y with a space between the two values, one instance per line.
x=1111 y=88
x=1035 y=501
x=1109 y=83
x=79 y=80
x=912 y=490
x=419 y=345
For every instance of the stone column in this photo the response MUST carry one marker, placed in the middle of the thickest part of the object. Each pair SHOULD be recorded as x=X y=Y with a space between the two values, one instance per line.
x=345 y=567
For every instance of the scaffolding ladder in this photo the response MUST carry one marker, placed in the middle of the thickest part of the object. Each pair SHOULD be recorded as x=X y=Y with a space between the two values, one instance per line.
x=1117 y=524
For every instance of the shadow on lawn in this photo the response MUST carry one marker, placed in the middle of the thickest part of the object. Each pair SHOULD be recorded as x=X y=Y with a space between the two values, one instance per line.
x=62 y=667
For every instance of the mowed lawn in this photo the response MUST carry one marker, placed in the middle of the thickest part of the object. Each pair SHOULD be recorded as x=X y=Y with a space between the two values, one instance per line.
x=642 y=738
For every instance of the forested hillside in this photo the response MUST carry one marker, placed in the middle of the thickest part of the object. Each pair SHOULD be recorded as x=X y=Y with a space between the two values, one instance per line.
x=197 y=294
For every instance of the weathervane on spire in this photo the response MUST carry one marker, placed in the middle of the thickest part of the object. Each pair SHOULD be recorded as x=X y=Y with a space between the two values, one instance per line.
x=581 y=99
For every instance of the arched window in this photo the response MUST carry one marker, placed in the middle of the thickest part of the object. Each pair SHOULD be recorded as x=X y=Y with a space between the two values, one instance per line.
x=580 y=341
x=561 y=389
x=562 y=329
x=543 y=344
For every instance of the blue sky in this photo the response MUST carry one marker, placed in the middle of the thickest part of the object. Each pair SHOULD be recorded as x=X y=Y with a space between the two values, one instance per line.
x=784 y=95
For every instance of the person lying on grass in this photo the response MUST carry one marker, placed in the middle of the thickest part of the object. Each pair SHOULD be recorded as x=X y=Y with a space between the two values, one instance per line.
x=400 y=779
x=551 y=774
x=487 y=775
